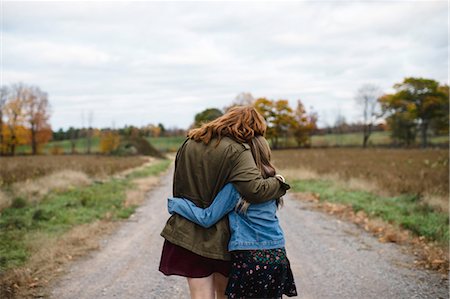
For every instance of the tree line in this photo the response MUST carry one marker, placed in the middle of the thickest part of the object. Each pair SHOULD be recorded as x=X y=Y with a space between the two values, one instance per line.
x=283 y=122
x=419 y=106
x=24 y=118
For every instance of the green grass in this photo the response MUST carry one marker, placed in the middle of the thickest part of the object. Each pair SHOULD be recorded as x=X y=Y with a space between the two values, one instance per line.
x=171 y=144
x=66 y=146
x=163 y=144
x=355 y=139
x=59 y=212
x=406 y=211
x=167 y=144
x=150 y=171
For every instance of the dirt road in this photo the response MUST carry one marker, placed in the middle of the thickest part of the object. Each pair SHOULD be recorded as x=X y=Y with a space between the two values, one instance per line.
x=330 y=259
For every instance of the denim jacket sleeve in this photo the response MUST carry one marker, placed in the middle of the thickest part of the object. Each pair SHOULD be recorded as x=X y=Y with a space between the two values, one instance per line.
x=223 y=203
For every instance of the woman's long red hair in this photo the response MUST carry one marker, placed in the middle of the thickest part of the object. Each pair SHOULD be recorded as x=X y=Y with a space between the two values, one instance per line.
x=240 y=123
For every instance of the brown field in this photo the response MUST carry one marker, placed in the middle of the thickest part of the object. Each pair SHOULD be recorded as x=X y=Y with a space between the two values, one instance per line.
x=396 y=171
x=17 y=169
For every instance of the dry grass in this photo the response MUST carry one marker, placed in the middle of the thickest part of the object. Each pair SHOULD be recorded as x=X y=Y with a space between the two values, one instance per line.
x=5 y=200
x=352 y=183
x=50 y=255
x=147 y=161
x=63 y=180
x=360 y=184
x=394 y=171
x=18 y=169
x=299 y=174
x=440 y=203
x=137 y=195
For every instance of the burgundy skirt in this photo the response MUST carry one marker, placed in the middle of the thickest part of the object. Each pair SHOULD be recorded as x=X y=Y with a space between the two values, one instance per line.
x=176 y=260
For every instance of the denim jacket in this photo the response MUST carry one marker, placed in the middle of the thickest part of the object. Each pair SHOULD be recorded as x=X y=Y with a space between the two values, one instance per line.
x=257 y=228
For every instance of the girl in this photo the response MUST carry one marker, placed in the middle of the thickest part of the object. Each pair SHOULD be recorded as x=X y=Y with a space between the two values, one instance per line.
x=260 y=268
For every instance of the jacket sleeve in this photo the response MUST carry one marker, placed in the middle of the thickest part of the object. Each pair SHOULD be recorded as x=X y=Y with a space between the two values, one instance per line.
x=247 y=179
x=223 y=203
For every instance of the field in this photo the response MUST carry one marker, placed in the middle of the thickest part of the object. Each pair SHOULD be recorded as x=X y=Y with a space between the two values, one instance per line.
x=355 y=139
x=397 y=171
x=74 y=197
x=60 y=207
x=163 y=144
x=21 y=168
x=406 y=188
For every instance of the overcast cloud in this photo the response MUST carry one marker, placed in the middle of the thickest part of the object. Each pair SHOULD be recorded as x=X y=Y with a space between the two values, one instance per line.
x=154 y=62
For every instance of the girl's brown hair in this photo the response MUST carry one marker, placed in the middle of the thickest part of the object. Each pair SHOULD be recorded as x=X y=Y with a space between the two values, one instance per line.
x=240 y=123
x=262 y=156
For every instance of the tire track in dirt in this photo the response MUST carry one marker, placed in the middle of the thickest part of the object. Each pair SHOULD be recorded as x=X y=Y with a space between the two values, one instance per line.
x=330 y=259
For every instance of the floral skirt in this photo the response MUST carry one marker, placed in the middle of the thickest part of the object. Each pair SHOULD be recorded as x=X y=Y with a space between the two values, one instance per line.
x=260 y=274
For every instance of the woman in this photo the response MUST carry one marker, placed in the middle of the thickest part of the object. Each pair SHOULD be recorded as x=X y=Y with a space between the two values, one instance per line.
x=212 y=156
x=260 y=267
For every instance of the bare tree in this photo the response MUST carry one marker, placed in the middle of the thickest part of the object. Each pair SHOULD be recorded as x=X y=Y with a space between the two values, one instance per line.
x=242 y=99
x=89 y=132
x=15 y=116
x=367 y=98
x=339 y=128
x=73 y=141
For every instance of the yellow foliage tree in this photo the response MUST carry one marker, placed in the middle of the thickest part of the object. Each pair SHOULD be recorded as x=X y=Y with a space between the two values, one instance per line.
x=15 y=119
x=24 y=118
x=14 y=137
x=284 y=123
x=109 y=142
x=37 y=114
x=304 y=125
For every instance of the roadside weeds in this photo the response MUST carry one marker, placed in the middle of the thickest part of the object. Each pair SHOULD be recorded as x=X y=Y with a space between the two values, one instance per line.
x=428 y=254
x=51 y=253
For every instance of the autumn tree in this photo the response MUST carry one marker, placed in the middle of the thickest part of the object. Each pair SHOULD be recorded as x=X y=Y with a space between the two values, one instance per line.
x=4 y=93
x=154 y=131
x=14 y=112
x=266 y=108
x=206 y=115
x=416 y=103
x=24 y=115
x=36 y=109
x=283 y=122
x=304 y=125
x=367 y=99
x=109 y=141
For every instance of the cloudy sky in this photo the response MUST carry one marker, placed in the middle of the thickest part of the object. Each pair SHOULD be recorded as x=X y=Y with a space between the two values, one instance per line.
x=162 y=62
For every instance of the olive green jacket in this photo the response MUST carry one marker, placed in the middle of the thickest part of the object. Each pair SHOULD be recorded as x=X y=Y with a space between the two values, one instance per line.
x=200 y=173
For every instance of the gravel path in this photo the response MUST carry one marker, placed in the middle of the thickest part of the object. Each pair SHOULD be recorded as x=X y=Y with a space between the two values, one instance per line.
x=329 y=258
